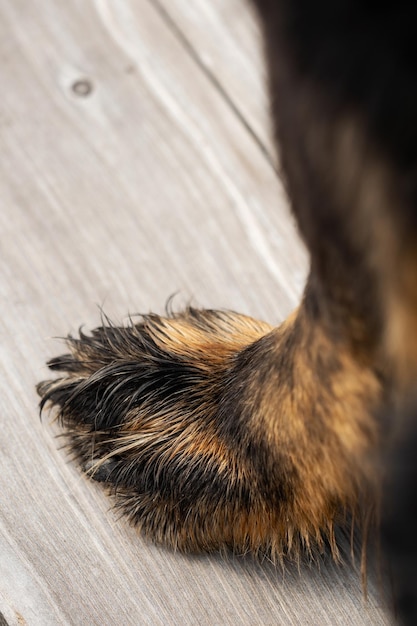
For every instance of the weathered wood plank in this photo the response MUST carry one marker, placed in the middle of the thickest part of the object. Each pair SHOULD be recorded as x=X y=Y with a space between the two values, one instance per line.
x=226 y=41
x=147 y=185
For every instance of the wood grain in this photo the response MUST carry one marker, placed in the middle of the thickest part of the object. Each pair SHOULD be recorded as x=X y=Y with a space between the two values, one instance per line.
x=126 y=175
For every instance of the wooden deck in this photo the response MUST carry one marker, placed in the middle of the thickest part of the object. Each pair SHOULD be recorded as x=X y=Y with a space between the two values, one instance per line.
x=135 y=162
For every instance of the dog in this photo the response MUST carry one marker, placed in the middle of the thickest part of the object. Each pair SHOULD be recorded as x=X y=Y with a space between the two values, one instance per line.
x=216 y=431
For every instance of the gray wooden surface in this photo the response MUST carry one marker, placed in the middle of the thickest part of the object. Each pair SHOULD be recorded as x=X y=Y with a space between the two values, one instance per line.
x=135 y=161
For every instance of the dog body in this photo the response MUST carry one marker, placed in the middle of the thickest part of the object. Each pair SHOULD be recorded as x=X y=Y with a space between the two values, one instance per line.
x=344 y=93
x=217 y=431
